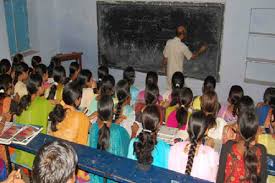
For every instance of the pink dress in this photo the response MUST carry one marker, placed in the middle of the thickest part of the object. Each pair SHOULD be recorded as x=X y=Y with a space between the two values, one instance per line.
x=173 y=122
x=141 y=97
x=205 y=164
x=225 y=114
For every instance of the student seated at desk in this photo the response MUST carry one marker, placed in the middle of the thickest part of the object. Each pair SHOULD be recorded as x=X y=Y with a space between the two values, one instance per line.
x=106 y=135
x=55 y=162
x=85 y=81
x=146 y=148
x=209 y=84
x=243 y=160
x=20 y=77
x=56 y=89
x=74 y=71
x=129 y=75
x=193 y=157
x=5 y=66
x=32 y=110
x=178 y=113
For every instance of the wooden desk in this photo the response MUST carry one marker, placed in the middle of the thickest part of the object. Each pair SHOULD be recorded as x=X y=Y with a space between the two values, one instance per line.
x=77 y=56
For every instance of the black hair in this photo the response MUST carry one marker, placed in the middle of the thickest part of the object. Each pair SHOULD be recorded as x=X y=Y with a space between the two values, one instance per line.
x=246 y=103
x=151 y=78
x=210 y=106
x=71 y=93
x=41 y=69
x=107 y=85
x=185 y=100
x=5 y=66
x=235 y=94
x=53 y=63
x=248 y=125
x=105 y=108
x=102 y=71
x=197 y=127
x=122 y=93
x=83 y=77
x=5 y=84
x=272 y=105
x=55 y=162
x=36 y=60
x=147 y=139
x=17 y=58
x=269 y=92
x=59 y=76
x=19 y=69
x=209 y=84
x=33 y=83
x=177 y=85
x=74 y=67
x=129 y=75
x=151 y=94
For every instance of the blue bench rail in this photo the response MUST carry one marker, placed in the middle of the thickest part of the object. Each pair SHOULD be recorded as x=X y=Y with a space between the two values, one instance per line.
x=110 y=166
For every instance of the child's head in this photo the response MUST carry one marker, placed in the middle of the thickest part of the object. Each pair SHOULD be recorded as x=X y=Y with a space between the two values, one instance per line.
x=147 y=139
x=42 y=70
x=269 y=92
x=151 y=94
x=129 y=75
x=102 y=71
x=209 y=84
x=210 y=106
x=54 y=63
x=123 y=96
x=177 y=80
x=105 y=109
x=74 y=70
x=151 y=78
x=107 y=85
x=197 y=127
x=6 y=86
x=34 y=88
x=21 y=72
x=248 y=127
x=235 y=94
x=246 y=103
x=36 y=60
x=5 y=66
x=59 y=74
x=84 y=78
x=184 y=101
x=72 y=94
x=17 y=58
x=55 y=162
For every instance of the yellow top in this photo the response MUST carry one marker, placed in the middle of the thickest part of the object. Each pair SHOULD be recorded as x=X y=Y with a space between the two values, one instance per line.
x=197 y=103
x=74 y=127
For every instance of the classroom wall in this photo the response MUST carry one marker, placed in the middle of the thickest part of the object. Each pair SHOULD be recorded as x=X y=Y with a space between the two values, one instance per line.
x=69 y=25
x=42 y=28
x=4 y=47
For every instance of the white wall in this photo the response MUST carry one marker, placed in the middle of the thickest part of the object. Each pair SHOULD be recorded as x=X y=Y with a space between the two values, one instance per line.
x=70 y=25
x=4 y=44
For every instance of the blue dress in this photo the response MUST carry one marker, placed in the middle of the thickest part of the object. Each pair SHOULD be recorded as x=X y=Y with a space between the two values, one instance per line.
x=134 y=93
x=119 y=142
x=160 y=153
x=262 y=113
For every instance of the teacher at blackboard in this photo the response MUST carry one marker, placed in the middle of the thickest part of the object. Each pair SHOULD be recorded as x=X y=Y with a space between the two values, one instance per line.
x=176 y=51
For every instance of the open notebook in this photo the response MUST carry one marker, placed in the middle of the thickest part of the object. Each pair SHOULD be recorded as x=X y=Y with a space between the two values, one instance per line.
x=18 y=134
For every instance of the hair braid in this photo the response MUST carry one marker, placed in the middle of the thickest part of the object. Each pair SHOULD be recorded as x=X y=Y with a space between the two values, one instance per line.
x=191 y=155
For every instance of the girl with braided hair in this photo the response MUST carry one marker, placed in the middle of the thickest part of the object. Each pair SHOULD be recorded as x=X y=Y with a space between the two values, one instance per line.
x=243 y=160
x=124 y=112
x=146 y=148
x=228 y=111
x=192 y=157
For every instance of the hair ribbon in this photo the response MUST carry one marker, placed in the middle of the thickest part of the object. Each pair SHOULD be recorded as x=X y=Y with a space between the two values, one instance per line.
x=145 y=130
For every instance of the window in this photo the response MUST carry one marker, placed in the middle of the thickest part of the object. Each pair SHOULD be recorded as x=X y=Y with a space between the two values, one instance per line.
x=16 y=14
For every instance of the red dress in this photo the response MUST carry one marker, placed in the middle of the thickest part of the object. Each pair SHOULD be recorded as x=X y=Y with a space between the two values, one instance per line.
x=235 y=168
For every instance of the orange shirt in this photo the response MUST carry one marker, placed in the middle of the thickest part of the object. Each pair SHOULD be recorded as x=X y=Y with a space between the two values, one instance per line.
x=74 y=127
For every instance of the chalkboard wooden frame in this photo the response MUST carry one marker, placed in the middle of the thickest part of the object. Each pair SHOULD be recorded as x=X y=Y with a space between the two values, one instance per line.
x=117 y=50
